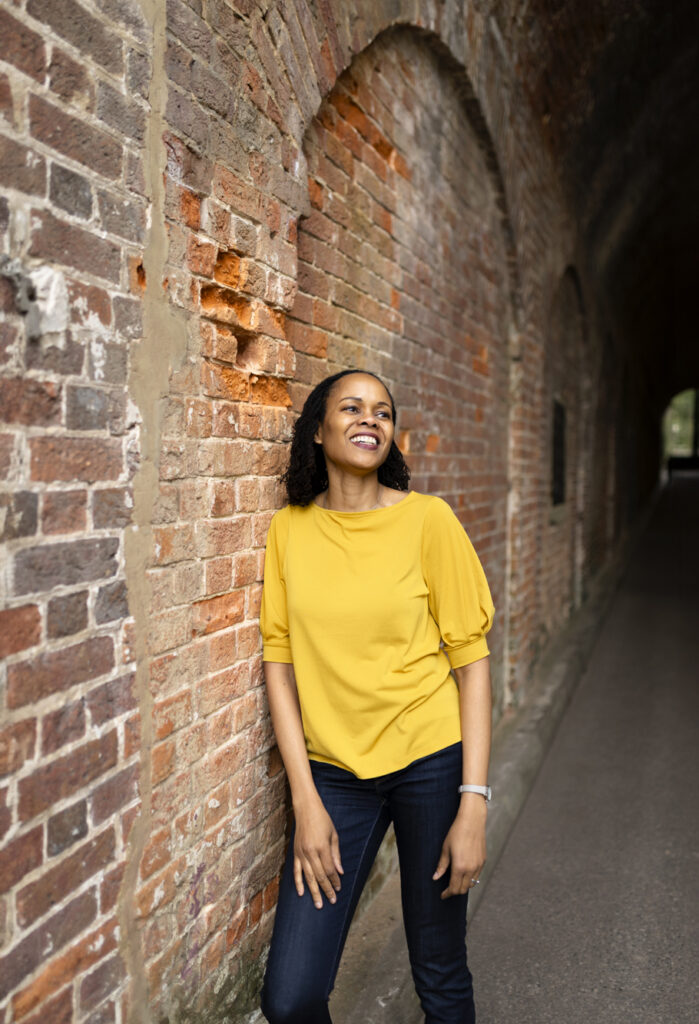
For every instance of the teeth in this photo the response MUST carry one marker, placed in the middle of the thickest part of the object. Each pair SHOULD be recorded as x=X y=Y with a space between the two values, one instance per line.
x=365 y=439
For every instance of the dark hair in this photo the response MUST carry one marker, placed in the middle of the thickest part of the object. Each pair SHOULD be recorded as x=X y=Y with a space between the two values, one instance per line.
x=307 y=474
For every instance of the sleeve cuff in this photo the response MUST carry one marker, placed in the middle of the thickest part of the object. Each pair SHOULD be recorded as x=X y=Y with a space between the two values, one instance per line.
x=466 y=653
x=277 y=652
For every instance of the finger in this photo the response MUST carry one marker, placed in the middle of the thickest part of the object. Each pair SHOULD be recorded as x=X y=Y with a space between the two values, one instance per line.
x=327 y=879
x=335 y=852
x=442 y=865
x=313 y=886
x=298 y=876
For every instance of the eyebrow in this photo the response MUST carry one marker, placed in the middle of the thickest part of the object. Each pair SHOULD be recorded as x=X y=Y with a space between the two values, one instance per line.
x=355 y=398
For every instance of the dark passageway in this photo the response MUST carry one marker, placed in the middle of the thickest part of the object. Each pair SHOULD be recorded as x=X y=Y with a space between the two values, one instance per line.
x=590 y=914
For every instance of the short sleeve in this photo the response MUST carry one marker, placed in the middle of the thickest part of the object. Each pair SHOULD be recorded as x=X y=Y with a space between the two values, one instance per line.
x=274 y=620
x=459 y=596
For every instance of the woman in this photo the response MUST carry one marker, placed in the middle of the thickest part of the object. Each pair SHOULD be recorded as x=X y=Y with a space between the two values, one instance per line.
x=371 y=595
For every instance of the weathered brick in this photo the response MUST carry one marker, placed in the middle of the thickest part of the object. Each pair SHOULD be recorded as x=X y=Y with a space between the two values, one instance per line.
x=66 y=615
x=218 y=612
x=18 y=515
x=38 y=898
x=17 y=743
x=111 y=699
x=120 y=112
x=62 y=726
x=71 y=192
x=20 y=168
x=76 y=139
x=31 y=402
x=75 y=458
x=58 y=1010
x=112 y=602
x=112 y=507
x=19 y=857
x=21 y=46
x=104 y=980
x=122 y=216
x=19 y=628
x=115 y=793
x=50 y=937
x=76 y=25
x=66 y=775
x=70 y=79
x=63 y=969
x=87 y=408
x=66 y=828
x=56 y=240
x=53 y=671
x=64 y=511
x=65 y=564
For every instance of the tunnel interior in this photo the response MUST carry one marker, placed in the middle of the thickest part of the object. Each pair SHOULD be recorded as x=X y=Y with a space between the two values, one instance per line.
x=616 y=87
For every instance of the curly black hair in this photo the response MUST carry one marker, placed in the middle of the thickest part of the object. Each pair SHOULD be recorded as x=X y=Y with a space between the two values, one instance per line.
x=307 y=473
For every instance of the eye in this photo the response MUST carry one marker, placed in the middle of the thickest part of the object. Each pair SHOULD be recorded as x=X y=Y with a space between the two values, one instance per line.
x=386 y=415
x=350 y=408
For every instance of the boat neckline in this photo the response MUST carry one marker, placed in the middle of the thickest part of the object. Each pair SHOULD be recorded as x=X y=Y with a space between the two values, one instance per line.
x=367 y=511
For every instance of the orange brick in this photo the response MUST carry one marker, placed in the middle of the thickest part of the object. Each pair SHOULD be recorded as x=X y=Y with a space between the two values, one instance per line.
x=218 y=612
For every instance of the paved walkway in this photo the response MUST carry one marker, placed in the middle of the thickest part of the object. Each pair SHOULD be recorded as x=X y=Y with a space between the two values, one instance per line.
x=592 y=913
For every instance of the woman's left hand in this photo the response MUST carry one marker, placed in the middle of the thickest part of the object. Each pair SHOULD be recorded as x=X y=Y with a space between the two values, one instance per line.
x=464 y=847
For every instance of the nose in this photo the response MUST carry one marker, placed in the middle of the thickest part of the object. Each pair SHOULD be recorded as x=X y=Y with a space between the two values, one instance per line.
x=369 y=418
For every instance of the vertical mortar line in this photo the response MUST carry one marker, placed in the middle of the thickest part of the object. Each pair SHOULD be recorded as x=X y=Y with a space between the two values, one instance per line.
x=160 y=349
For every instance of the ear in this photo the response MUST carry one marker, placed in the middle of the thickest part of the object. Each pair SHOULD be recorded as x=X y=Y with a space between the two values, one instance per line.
x=318 y=436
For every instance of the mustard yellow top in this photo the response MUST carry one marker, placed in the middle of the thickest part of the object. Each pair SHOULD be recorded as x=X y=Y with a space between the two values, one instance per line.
x=359 y=603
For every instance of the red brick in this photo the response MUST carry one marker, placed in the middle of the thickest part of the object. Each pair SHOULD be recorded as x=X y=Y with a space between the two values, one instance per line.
x=31 y=402
x=103 y=981
x=63 y=969
x=22 y=47
x=60 y=242
x=52 y=671
x=17 y=743
x=70 y=79
x=37 y=898
x=75 y=458
x=64 y=511
x=66 y=827
x=66 y=775
x=19 y=628
x=56 y=1011
x=172 y=714
x=110 y=888
x=115 y=793
x=157 y=852
x=62 y=726
x=218 y=612
x=49 y=938
x=19 y=857
x=112 y=699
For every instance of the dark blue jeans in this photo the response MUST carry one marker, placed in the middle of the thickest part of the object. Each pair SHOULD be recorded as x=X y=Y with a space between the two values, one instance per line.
x=421 y=801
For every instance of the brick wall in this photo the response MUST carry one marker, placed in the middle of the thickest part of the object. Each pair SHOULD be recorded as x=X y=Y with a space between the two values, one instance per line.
x=206 y=207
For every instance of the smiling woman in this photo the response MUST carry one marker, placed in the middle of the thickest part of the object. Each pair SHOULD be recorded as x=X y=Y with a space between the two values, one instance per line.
x=370 y=724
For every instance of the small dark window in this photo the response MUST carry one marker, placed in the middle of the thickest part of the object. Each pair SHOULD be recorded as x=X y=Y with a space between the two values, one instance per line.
x=558 y=487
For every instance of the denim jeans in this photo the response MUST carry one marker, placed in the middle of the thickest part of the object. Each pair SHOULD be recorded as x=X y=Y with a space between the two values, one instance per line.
x=421 y=801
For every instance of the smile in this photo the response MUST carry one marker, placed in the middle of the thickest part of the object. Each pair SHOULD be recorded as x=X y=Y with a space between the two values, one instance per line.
x=365 y=441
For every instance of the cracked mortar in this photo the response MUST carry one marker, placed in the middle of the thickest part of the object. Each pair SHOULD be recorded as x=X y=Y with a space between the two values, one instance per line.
x=164 y=334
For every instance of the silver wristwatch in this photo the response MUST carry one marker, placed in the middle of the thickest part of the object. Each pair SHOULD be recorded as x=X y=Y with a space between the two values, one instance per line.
x=485 y=791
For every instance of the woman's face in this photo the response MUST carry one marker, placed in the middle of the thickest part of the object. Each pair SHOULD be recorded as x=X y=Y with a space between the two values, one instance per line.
x=357 y=430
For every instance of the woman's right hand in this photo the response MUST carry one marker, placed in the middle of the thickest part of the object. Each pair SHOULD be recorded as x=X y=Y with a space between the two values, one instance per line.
x=316 y=852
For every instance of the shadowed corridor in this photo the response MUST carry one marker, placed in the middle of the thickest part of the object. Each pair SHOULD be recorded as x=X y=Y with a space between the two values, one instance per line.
x=590 y=914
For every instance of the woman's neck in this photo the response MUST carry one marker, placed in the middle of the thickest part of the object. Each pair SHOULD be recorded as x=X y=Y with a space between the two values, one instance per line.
x=353 y=494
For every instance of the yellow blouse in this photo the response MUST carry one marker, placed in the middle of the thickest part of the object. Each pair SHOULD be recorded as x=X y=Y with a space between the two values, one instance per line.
x=373 y=609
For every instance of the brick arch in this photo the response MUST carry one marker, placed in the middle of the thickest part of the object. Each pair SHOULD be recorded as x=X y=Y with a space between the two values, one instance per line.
x=403 y=270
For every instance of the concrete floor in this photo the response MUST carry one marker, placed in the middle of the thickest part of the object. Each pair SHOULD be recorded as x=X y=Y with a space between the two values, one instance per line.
x=592 y=913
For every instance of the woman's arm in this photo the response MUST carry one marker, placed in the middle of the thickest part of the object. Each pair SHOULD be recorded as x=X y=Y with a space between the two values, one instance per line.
x=464 y=846
x=316 y=844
